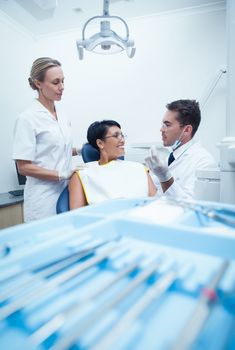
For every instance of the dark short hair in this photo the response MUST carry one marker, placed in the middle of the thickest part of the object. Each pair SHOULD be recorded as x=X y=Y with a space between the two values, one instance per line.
x=188 y=113
x=98 y=130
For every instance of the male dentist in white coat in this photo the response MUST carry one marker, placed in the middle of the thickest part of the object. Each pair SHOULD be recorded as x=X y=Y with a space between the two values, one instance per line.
x=179 y=125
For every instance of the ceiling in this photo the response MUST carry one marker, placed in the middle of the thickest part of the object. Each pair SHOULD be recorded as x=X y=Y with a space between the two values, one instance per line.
x=36 y=18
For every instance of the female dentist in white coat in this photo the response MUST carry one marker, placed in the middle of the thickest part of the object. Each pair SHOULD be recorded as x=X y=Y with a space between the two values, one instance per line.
x=42 y=144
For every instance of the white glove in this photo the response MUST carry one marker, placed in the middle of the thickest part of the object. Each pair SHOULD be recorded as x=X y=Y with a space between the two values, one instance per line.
x=66 y=174
x=157 y=167
x=78 y=151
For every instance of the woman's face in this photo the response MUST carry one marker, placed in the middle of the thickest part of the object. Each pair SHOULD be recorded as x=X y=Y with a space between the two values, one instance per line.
x=113 y=144
x=53 y=85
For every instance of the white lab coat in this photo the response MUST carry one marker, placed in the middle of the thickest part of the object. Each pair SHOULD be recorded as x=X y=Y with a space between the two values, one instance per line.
x=116 y=179
x=47 y=143
x=188 y=158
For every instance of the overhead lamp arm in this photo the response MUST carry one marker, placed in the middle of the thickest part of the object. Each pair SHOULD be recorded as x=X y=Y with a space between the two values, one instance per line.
x=102 y=17
x=213 y=83
x=106 y=8
x=106 y=41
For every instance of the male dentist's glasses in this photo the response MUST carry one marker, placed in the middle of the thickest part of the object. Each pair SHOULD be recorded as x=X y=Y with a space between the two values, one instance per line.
x=117 y=135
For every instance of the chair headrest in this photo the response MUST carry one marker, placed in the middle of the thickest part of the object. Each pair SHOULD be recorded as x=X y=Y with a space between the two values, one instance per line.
x=89 y=153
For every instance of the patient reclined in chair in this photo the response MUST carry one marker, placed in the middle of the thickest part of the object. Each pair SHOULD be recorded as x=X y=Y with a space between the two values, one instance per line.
x=108 y=177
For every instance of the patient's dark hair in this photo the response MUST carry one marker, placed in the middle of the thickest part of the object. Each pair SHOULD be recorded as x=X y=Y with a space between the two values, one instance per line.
x=98 y=130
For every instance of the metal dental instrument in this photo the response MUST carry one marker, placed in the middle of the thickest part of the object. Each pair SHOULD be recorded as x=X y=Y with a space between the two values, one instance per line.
x=50 y=285
x=47 y=271
x=4 y=250
x=77 y=331
x=200 y=314
x=19 y=242
x=224 y=216
x=155 y=291
x=37 y=246
x=36 y=266
x=57 y=321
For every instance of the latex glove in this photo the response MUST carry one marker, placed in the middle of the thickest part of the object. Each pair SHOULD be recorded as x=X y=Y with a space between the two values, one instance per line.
x=78 y=151
x=157 y=167
x=66 y=174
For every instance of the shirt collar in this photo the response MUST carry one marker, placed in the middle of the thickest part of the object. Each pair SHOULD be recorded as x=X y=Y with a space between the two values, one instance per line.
x=38 y=107
x=179 y=151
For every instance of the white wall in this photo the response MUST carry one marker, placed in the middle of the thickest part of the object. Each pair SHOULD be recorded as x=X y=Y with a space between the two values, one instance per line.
x=177 y=56
x=231 y=67
x=17 y=50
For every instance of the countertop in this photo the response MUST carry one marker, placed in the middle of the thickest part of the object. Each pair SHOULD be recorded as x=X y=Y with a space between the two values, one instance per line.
x=7 y=199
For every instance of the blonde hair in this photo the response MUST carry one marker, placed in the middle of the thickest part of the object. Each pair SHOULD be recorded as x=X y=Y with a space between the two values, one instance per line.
x=39 y=68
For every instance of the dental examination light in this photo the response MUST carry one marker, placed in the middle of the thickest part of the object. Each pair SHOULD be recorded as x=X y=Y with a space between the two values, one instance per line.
x=106 y=41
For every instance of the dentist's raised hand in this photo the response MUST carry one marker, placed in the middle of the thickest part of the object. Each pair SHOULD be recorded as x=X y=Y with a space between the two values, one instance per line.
x=157 y=166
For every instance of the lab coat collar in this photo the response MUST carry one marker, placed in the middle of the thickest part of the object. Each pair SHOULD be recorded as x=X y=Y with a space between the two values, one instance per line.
x=38 y=107
x=179 y=151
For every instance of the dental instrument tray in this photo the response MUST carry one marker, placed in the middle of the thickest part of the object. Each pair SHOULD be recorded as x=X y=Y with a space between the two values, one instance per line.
x=125 y=274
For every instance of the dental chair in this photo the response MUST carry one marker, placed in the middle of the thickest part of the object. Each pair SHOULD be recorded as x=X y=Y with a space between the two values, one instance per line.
x=62 y=204
x=89 y=154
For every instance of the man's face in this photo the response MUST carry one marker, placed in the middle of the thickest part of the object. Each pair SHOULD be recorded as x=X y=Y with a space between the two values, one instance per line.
x=171 y=129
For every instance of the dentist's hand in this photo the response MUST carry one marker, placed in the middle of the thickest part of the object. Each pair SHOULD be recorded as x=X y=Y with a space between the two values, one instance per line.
x=66 y=174
x=157 y=167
